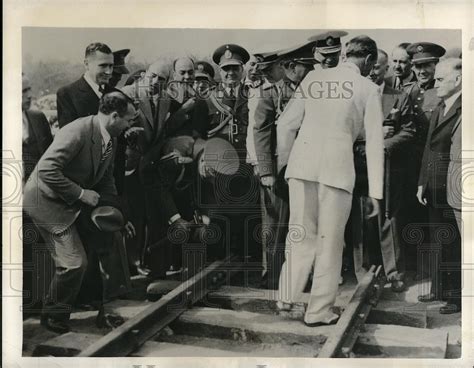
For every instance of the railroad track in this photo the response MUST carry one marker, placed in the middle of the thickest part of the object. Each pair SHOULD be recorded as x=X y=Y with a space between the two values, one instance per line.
x=205 y=316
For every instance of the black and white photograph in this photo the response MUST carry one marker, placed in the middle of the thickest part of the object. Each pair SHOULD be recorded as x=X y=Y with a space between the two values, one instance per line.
x=239 y=193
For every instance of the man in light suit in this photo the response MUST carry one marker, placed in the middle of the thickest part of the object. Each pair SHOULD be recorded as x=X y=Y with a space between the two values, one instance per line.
x=70 y=177
x=316 y=134
x=432 y=184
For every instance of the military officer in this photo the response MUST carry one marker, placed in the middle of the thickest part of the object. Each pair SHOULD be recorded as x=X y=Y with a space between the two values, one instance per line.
x=120 y=68
x=228 y=106
x=203 y=78
x=296 y=63
x=228 y=119
x=424 y=57
x=327 y=49
x=265 y=73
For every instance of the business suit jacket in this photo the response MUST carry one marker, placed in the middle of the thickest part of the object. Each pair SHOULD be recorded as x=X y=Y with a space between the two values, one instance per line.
x=76 y=100
x=154 y=127
x=39 y=139
x=454 y=185
x=404 y=125
x=71 y=163
x=179 y=122
x=327 y=127
x=150 y=145
x=436 y=156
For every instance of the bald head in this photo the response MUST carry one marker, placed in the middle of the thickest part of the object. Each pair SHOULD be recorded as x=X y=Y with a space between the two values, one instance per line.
x=377 y=74
x=183 y=69
x=159 y=68
x=157 y=75
x=448 y=77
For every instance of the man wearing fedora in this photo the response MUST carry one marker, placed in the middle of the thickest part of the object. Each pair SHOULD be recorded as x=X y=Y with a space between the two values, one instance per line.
x=71 y=176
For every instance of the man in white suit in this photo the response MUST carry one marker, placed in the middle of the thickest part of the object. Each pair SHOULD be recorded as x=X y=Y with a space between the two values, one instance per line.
x=315 y=136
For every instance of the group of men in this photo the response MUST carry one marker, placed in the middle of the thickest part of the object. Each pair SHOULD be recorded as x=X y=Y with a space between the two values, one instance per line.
x=285 y=150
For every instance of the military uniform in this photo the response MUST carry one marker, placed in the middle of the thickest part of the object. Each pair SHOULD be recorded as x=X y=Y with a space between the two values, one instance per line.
x=327 y=48
x=234 y=196
x=424 y=102
x=274 y=199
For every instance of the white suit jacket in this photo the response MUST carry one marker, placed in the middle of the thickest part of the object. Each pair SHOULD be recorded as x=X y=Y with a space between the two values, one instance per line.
x=317 y=130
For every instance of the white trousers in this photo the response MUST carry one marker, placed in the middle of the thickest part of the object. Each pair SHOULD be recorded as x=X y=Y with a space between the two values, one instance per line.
x=318 y=217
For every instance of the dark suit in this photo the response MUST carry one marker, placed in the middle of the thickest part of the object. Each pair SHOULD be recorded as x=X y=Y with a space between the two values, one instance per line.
x=392 y=82
x=77 y=100
x=373 y=230
x=149 y=197
x=275 y=199
x=34 y=145
x=445 y=239
x=39 y=139
x=454 y=184
x=192 y=123
x=51 y=197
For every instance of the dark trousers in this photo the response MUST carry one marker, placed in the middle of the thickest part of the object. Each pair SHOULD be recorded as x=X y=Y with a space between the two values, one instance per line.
x=444 y=251
x=377 y=238
x=134 y=196
x=275 y=210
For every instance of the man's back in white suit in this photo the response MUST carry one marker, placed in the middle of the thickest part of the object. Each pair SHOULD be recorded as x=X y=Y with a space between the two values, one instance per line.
x=328 y=112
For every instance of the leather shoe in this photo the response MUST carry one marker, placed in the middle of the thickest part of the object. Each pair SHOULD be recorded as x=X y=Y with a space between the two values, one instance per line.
x=54 y=325
x=398 y=286
x=318 y=324
x=109 y=320
x=426 y=298
x=450 y=309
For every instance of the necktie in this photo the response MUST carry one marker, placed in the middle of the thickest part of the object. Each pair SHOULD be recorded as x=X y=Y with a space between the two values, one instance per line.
x=398 y=83
x=102 y=88
x=153 y=108
x=229 y=98
x=107 y=152
x=442 y=107
x=26 y=134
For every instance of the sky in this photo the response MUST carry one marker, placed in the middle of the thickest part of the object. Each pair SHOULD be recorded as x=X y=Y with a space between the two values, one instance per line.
x=43 y=44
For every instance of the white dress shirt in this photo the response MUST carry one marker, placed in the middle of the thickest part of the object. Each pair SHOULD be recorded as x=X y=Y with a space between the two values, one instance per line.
x=95 y=87
x=450 y=101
